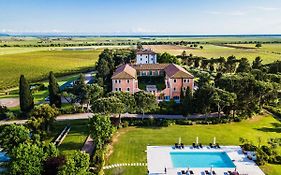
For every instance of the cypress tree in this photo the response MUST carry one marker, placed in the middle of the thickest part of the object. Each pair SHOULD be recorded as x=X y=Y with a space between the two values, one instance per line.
x=187 y=102
x=26 y=98
x=54 y=91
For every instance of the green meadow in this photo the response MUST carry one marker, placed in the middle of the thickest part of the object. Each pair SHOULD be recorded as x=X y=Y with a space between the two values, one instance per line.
x=36 y=65
x=268 y=52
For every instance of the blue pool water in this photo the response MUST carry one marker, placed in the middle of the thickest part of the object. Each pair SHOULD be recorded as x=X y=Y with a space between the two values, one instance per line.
x=201 y=160
x=4 y=157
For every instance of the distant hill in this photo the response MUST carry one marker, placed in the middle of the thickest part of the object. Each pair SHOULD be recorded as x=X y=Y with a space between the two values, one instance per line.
x=3 y=34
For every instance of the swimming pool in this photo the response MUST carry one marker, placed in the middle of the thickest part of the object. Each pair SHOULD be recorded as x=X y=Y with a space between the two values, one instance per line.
x=4 y=157
x=201 y=160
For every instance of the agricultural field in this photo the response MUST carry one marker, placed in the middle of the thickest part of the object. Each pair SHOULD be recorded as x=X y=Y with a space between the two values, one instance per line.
x=268 y=52
x=36 y=65
x=129 y=144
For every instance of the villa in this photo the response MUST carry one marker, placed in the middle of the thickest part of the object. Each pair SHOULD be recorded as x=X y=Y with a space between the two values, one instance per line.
x=165 y=81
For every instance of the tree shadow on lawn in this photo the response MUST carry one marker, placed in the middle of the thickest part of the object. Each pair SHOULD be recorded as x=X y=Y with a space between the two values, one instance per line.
x=276 y=128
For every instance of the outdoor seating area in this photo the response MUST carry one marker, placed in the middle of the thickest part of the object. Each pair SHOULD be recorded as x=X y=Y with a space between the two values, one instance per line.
x=193 y=160
x=207 y=172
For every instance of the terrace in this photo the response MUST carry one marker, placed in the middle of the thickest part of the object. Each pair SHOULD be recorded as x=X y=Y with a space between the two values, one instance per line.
x=220 y=160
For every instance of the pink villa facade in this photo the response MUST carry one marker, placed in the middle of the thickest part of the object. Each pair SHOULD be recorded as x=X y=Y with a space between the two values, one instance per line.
x=176 y=79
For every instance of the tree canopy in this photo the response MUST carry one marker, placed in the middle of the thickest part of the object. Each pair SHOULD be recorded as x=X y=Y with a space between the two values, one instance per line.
x=101 y=130
x=26 y=98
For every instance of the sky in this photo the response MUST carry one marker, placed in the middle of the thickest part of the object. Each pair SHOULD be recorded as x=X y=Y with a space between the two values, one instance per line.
x=141 y=16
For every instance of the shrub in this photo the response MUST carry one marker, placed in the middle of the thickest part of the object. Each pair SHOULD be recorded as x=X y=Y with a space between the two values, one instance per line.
x=125 y=124
x=10 y=115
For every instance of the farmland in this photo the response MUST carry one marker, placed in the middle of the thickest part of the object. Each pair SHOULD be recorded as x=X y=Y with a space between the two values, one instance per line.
x=35 y=65
x=268 y=52
x=35 y=57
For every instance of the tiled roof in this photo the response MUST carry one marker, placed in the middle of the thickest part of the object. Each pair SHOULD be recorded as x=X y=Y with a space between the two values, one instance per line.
x=149 y=66
x=175 y=71
x=125 y=72
x=130 y=71
x=145 y=51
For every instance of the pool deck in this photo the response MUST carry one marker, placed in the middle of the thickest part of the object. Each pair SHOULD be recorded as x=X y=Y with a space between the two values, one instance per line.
x=158 y=157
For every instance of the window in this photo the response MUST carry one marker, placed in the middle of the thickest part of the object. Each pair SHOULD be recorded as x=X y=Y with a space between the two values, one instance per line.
x=175 y=89
x=119 y=81
x=175 y=80
x=128 y=89
x=176 y=97
x=128 y=81
x=188 y=80
x=116 y=81
x=145 y=56
x=120 y=89
x=150 y=72
x=167 y=97
x=184 y=89
x=184 y=80
x=116 y=89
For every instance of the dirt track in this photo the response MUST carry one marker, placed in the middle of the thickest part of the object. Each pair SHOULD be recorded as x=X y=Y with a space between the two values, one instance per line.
x=10 y=102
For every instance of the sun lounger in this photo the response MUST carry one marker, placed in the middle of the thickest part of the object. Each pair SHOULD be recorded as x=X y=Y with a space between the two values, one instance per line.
x=214 y=173
x=191 y=172
x=193 y=144
x=218 y=146
x=200 y=145
x=183 y=172
x=207 y=172
x=211 y=145
x=182 y=145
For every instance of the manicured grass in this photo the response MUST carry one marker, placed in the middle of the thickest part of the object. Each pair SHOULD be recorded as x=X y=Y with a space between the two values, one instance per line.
x=75 y=138
x=37 y=65
x=131 y=144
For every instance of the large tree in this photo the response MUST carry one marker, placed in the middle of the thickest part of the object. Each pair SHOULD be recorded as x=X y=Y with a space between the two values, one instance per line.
x=187 y=102
x=26 y=98
x=28 y=158
x=54 y=91
x=145 y=101
x=243 y=66
x=257 y=63
x=77 y=163
x=230 y=64
x=101 y=130
x=13 y=135
x=42 y=118
x=222 y=99
x=109 y=105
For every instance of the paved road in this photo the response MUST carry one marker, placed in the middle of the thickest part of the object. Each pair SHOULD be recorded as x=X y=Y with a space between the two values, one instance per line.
x=87 y=115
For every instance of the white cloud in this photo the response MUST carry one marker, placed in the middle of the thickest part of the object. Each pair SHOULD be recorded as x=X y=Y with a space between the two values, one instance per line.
x=267 y=8
x=229 y=13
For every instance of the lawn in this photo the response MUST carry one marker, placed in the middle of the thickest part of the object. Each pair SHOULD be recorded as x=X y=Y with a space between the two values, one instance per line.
x=36 y=65
x=75 y=138
x=131 y=143
x=268 y=52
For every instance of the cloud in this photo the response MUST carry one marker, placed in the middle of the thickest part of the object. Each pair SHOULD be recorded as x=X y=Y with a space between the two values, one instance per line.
x=267 y=8
x=230 y=13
